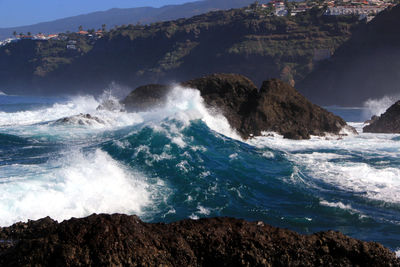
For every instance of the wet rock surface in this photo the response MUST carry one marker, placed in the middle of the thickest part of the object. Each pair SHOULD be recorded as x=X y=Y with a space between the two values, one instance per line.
x=146 y=97
x=121 y=240
x=80 y=119
x=388 y=122
x=276 y=106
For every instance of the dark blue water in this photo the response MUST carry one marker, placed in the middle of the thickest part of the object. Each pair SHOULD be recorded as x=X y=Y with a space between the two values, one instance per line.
x=177 y=163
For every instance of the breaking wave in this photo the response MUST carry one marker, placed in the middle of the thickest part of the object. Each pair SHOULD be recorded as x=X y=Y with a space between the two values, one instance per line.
x=182 y=160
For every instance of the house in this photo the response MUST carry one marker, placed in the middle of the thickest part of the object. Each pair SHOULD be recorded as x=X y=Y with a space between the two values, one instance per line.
x=52 y=36
x=71 y=47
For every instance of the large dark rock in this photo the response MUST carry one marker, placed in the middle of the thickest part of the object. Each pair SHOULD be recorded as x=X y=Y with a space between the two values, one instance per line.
x=388 y=122
x=146 y=97
x=277 y=106
x=121 y=240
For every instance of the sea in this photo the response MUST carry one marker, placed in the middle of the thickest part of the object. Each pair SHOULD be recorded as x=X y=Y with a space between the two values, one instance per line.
x=182 y=160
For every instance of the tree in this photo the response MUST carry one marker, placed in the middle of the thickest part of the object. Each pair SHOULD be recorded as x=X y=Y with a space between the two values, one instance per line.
x=29 y=33
x=80 y=28
x=15 y=33
x=103 y=27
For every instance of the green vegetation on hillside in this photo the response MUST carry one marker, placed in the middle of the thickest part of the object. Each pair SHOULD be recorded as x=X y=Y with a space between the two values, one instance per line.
x=240 y=41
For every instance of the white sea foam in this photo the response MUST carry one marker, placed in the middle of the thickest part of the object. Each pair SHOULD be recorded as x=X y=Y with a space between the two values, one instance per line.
x=74 y=186
x=339 y=205
x=367 y=181
x=81 y=104
x=338 y=169
x=383 y=143
x=379 y=106
x=187 y=104
x=398 y=253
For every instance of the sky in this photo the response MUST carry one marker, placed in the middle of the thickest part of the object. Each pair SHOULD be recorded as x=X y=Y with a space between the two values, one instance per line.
x=26 y=12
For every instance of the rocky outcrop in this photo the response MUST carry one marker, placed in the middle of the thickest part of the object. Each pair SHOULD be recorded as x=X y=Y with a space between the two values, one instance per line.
x=276 y=107
x=388 y=122
x=80 y=119
x=146 y=97
x=121 y=240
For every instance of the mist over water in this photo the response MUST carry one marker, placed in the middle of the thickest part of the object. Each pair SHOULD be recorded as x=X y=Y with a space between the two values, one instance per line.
x=184 y=161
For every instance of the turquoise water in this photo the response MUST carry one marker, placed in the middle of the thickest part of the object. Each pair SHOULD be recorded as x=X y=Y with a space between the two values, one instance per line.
x=183 y=161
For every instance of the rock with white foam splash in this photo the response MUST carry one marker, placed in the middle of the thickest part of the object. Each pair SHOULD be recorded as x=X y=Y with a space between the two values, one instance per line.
x=388 y=122
x=275 y=107
x=80 y=119
x=110 y=105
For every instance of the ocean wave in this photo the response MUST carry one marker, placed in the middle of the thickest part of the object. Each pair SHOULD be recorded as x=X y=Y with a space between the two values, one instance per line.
x=73 y=186
x=357 y=177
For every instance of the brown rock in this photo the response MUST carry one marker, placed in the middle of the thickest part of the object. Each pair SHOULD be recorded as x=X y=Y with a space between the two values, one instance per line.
x=277 y=106
x=388 y=122
x=121 y=240
x=146 y=97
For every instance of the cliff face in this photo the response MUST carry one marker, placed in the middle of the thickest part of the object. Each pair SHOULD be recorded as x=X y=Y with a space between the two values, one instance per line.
x=388 y=122
x=251 y=43
x=367 y=66
x=276 y=107
x=121 y=240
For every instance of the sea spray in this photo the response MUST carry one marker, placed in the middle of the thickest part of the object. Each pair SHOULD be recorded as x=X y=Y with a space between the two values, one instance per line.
x=72 y=186
x=379 y=106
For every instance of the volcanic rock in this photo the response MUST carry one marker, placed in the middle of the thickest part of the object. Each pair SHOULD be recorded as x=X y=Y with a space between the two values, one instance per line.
x=146 y=97
x=276 y=107
x=388 y=122
x=372 y=120
x=121 y=240
x=80 y=119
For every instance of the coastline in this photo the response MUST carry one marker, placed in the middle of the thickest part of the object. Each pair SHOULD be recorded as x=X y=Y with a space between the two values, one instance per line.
x=122 y=240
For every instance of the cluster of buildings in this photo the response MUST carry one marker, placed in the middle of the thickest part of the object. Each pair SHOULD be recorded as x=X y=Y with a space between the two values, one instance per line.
x=363 y=8
x=59 y=36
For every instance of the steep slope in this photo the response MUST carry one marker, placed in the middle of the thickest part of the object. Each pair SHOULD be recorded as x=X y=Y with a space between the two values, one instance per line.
x=276 y=107
x=121 y=240
x=121 y=16
x=236 y=41
x=367 y=66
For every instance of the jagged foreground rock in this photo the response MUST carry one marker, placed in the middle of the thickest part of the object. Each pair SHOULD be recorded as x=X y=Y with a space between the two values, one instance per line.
x=276 y=107
x=121 y=240
x=388 y=122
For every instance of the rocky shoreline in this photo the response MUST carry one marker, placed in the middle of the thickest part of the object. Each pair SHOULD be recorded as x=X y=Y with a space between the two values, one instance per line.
x=275 y=107
x=122 y=240
x=388 y=122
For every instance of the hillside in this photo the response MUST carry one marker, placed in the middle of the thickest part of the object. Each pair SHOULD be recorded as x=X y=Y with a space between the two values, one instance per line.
x=367 y=66
x=234 y=41
x=121 y=16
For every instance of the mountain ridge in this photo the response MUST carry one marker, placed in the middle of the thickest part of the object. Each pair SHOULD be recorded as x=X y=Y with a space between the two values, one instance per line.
x=119 y=16
x=234 y=41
